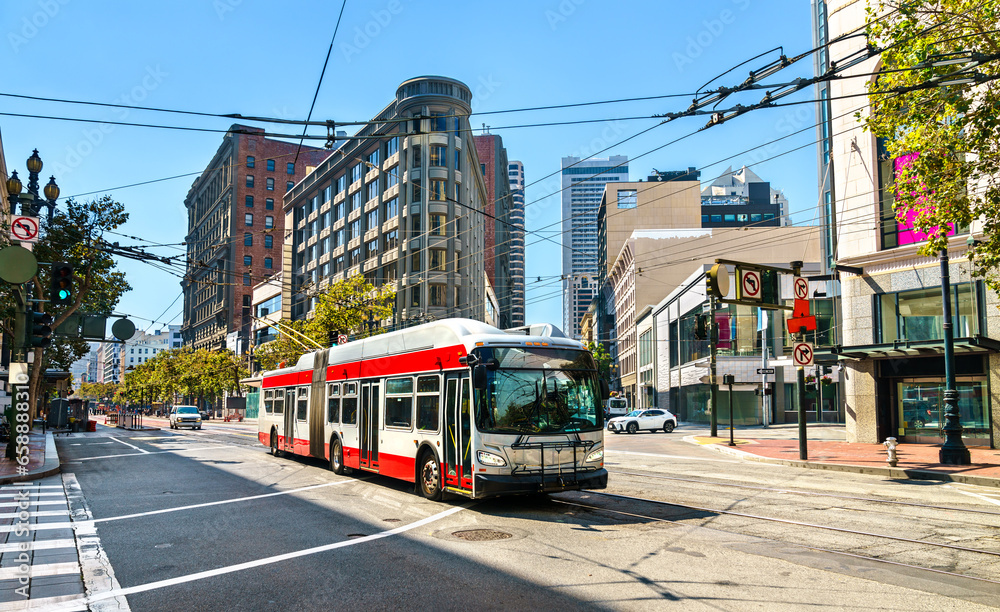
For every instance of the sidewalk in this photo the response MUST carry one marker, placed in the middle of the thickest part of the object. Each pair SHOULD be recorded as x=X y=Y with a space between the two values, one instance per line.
x=42 y=460
x=779 y=444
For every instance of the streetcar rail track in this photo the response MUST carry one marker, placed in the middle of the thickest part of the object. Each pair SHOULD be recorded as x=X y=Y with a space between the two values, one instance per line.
x=787 y=543
x=807 y=493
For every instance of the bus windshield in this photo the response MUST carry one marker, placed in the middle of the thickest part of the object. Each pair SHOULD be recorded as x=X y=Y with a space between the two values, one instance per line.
x=539 y=391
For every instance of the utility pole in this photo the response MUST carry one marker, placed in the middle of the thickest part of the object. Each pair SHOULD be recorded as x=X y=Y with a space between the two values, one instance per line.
x=713 y=358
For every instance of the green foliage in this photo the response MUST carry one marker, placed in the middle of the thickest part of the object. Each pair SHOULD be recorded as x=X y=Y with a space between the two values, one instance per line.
x=602 y=358
x=97 y=391
x=953 y=129
x=343 y=308
x=184 y=372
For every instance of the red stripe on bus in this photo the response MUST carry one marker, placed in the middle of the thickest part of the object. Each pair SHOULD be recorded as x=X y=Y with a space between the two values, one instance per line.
x=419 y=361
x=289 y=379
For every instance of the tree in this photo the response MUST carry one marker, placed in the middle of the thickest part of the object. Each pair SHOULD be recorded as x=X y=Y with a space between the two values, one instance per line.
x=602 y=358
x=74 y=235
x=947 y=135
x=345 y=307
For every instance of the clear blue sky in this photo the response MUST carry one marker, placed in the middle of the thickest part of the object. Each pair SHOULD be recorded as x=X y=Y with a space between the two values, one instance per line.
x=264 y=58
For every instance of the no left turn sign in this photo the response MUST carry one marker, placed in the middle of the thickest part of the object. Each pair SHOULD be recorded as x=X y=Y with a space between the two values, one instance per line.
x=802 y=354
x=750 y=284
x=24 y=229
x=801 y=288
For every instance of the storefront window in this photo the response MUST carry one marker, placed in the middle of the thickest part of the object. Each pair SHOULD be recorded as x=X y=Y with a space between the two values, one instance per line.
x=921 y=408
x=917 y=315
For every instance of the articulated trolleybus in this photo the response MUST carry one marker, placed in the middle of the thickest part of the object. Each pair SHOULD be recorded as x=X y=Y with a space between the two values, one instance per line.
x=455 y=406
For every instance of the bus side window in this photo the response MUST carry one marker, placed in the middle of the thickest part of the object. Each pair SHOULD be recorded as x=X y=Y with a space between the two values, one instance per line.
x=333 y=403
x=349 y=403
x=428 y=402
x=302 y=404
x=279 y=401
x=399 y=402
x=269 y=401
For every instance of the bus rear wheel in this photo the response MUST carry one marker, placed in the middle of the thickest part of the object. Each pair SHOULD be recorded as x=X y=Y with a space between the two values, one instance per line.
x=274 y=443
x=429 y=477
x=337 y=456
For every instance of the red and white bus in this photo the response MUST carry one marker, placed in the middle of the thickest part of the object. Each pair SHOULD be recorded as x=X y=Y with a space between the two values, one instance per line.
x=454 y=406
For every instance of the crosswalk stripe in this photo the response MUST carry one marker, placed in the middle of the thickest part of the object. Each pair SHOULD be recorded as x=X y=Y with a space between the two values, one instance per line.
x=10 y=515
x=36 y=545
x=35 y=527
x=39 y=571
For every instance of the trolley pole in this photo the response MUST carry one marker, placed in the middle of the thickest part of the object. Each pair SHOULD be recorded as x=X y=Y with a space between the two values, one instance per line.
x=729 y=379
x=803 y=449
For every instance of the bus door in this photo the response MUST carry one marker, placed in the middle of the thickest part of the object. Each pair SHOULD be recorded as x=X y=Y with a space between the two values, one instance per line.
x=368 y=427
x=289 y=420
x=458 y=433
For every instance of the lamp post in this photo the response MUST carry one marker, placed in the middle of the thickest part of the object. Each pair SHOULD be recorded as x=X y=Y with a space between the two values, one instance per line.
x=953 y=451
x=31 y=202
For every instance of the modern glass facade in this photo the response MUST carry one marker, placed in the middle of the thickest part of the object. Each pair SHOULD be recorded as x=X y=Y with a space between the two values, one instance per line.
x=582 y=188
x=515 y=173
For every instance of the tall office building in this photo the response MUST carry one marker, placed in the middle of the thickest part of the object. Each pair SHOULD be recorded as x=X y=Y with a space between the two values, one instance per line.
x=403 y=203
x=515 y=173
x=583 y=184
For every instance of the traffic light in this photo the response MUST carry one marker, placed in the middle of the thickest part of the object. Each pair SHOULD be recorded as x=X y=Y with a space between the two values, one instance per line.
x=61 y=288
x=38 y=330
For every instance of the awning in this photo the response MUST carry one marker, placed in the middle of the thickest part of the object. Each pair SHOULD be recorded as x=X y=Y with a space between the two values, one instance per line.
x=919 y=348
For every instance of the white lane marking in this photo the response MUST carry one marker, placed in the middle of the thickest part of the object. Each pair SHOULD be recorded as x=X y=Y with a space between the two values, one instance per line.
x=129 y=445
x=144 y=453
x=51 y=502
x=28 y=485
x=10 y=515
x=95 y=567
x=977 y=495
x=37 y=545
x=35 y=527
x=38 y=571
x=97 y=597
x=620 y=452
x=225 y=501
x=29 y=494
x=64 y=603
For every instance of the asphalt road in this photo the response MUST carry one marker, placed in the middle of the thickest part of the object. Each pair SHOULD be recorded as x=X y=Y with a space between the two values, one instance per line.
x=208 y=520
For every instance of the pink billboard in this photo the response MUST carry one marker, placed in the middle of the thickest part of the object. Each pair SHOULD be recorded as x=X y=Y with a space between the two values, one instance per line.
x=905 y=219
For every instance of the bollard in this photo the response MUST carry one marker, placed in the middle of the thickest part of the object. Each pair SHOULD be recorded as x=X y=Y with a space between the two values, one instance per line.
x=890 y=447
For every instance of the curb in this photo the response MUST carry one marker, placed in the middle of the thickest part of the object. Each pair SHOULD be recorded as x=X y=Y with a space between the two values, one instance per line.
x=50 y=465
x=892 y=472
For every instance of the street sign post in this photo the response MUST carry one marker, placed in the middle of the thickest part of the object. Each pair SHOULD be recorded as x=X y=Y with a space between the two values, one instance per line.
x=24 y=229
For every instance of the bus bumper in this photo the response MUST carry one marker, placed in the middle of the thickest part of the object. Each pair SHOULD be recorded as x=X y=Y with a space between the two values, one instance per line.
x=489 y=485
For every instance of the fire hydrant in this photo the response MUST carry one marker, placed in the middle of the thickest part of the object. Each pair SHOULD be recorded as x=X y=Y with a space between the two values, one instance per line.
x=890 y=447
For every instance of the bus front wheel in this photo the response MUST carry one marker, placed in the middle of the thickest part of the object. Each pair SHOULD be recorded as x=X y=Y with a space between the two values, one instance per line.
x=274 y=443
x=429 y=477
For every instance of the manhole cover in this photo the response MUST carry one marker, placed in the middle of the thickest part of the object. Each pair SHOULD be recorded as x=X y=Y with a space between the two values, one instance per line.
x=481 y=535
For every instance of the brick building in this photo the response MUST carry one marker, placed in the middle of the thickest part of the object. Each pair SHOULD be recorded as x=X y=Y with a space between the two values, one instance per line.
x=235 y=230
x=493 y=164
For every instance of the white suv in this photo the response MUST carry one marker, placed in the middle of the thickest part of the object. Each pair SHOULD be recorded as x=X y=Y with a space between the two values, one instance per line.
x=185 y=416
x=651 y=420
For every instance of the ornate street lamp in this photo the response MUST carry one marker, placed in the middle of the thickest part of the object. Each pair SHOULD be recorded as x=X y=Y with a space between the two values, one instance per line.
x=953 y=451
x=31 y=202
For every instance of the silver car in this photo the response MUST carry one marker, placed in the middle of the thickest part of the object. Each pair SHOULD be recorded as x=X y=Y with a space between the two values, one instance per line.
x=650 y=420
x=185 y=416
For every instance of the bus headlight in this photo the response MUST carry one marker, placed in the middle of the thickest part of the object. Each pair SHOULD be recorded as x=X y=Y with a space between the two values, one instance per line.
x=597 y=455
x=490 y=459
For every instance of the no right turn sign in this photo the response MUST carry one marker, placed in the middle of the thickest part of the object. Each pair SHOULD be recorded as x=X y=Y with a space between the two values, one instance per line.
x=802 y=354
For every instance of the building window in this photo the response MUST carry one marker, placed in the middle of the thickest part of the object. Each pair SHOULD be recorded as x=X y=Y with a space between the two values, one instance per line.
x=249 y=220
x=247 y=260
x=356 y=173
x=249 y=180
x=437 y=190
x=355 y=201
x=372 y=219
x=288 y=186
x=247 y=239
x=391 y=209
x=391 y=147
x=249 y=201
x=250 y=161
x=392 y=177
x=415 y=297
x=439 y=156
x=246 y=278
x=372 y=159
x=353 y=230
x=704 y=218
x=269 y=184
x=391 y=240
x=371 y=190
x=918 y=314
x=415 y=261
x=416 y=157
x=270 y=165
x=458 y=159
x=269 y=204
x=268 y=263
x=355 y=257
x=371 y=249
x=342 y=183
x=438 y=260
x=415 y=224
x=291 y=168
x=438 y=295
x=268 y=222
x=438 y=223
x=268 y=241
x=628 y=198
x=482 y=169
x=416 y=196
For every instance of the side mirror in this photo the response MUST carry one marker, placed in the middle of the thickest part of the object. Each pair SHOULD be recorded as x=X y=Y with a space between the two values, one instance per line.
x=479 y=376
x=605 y=389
